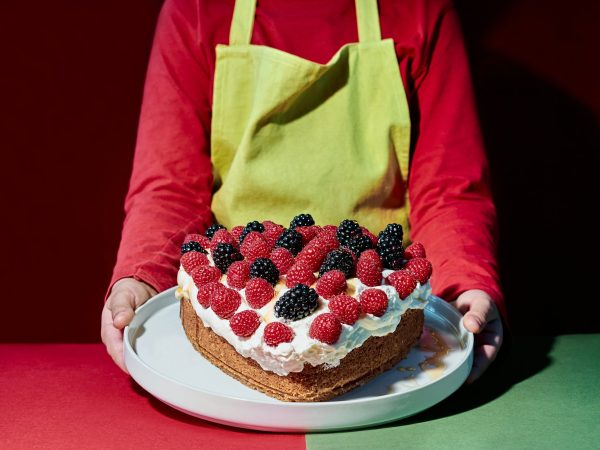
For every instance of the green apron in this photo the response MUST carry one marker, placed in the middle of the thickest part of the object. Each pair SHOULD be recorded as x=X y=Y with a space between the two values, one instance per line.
x=292 y=136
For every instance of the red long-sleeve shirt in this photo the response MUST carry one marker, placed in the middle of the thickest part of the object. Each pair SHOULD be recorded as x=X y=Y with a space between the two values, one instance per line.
x=452 y=210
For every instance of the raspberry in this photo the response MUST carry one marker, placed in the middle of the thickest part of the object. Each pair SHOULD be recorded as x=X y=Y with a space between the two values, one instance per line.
x=374 y=301
x=283 y=259
x=327 y=239
x=403 y=282
x=259 y=292
x=299 y=273
x=370 y=235
x=420 y=268
x=331 y=283
x=277 y=333
x=308 y=233
x=254 y=246
x=330 y=228
x=236 y=232
x=414 y=250
x=205 y=274
x=200 y=239
x=311 y=257
x=272 y=233
x=326 y=328
x=225 y=302
x=345 y=308
x=206 y=291
x=238 y=274
x=191 y=260
x=222 y=236
x=244 y=323
x=369 y=267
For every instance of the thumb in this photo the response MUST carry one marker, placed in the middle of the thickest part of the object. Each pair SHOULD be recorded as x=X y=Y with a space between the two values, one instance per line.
x=121 y=304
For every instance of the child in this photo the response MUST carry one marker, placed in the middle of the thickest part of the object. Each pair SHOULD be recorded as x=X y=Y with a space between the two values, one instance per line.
x=287 y=125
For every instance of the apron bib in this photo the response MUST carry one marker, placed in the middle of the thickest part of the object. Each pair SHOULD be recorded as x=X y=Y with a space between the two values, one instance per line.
x=292 y=136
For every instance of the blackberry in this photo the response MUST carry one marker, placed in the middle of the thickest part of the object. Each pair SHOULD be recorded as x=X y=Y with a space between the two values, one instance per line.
x=266 y=269
x=338 y=260
x=359 y=244
x=394 y=229
x=348 y=229
x=302 y=220
x=210 y=231
x=297 y=303
x=192 y=246
x=290 y=239
x=224 y=255
x=390 y=250
x=251 y=226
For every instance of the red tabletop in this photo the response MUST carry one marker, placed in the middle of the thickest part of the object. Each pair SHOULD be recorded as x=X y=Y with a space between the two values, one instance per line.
x=73 y=396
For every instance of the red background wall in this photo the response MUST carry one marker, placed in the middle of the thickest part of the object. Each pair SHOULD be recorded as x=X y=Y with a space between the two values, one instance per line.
x=71 y=75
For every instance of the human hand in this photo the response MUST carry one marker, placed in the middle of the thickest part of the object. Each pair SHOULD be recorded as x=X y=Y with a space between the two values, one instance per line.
x=125 y=295
x=483 y=319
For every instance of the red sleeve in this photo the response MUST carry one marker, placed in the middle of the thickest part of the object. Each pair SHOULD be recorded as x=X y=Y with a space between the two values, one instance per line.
x=452 y=213
x=170 y=188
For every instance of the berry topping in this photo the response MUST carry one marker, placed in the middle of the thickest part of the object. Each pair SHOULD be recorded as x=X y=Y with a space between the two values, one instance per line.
x=331 y=283
x=327 y=240
x=206 y=292
x=369 y=267
x=348 y=230
x=297 y=303
x=225 y=302
x=283 y=259
x=415 y=250
x=210 y=231
x=374 y=301
x=371 y=236
x=191 y=260
x=254 y=246
x=258 y=292
x=224 y=255
x=244 y=323
x=395 y=230
x=290 y=239
x=236 y=232
x=390 y=249
x=420 y=268
x=359 y=244
x=205 y=274
x=251 y=226
x=277 y=333
x=326 y=328
x=338 y=260
x=403 y=282
x=200 y=239
x=299 y=273
x=308 y=233
x=238 y=274
x=345 y=308
x=264 y=268
x=312 y=257
x=192 y=246
x=222 y=237
x=272 y=233
x=302 y=220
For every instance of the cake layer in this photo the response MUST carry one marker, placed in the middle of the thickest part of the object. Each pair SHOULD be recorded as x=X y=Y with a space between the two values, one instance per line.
x=314 y=383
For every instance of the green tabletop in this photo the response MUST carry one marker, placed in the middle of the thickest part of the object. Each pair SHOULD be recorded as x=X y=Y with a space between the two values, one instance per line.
x=543 y=393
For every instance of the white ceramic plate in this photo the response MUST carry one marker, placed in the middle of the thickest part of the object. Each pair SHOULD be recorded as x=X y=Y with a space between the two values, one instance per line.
x=160 y=358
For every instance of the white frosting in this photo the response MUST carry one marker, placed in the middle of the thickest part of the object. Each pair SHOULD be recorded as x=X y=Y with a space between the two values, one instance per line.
x=291 y=357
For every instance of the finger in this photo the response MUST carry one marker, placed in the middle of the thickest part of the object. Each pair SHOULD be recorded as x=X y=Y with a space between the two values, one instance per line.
x=113 y=339
x=479 y=314
x=121 y=304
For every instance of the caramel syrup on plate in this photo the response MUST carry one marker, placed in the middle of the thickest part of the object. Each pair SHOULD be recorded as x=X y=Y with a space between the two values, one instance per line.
x=435 y=348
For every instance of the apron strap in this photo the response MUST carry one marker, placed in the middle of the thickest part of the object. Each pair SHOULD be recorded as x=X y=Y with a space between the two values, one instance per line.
x=367 y=17
x=242 y=23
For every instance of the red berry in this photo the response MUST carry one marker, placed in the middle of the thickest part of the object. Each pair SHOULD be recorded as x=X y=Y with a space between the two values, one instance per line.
x=259 y=292
x=345 y=308
x=236 y=232
x=272 y=233
x=205 y=274
x=222 y=237
x=308 y=233
x=311 y=256
x=374 y=301
x=244 y=323
x=270 y=224
x=299 y=273
x=225 y=302
x=326 y=328
x=238 y=274
x=369 y=267
x=327 y=239
x=206 y=291
x=277 y=333
x=403 y=282
x=191 y=260
x=283 y=259
x=199 y=238
x=420 y=268
x=330 y=228
x=331 y=283
x=370 y=235
x=415 y=250
x=255 y=246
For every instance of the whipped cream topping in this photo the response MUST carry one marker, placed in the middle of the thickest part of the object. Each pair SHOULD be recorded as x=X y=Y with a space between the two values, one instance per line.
x=291 y=356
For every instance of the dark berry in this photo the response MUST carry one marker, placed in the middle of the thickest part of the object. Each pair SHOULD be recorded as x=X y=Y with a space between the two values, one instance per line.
x=266 y=269
x=251 y=226
x=338 y=260
x=348 y=230
x=302 y=220
x=394 y=229
x=192 y=246
x=210 y=231
x=290 y=239
x=359 y=244
x=297 y=303
x=224 y=255
x=390 y=249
